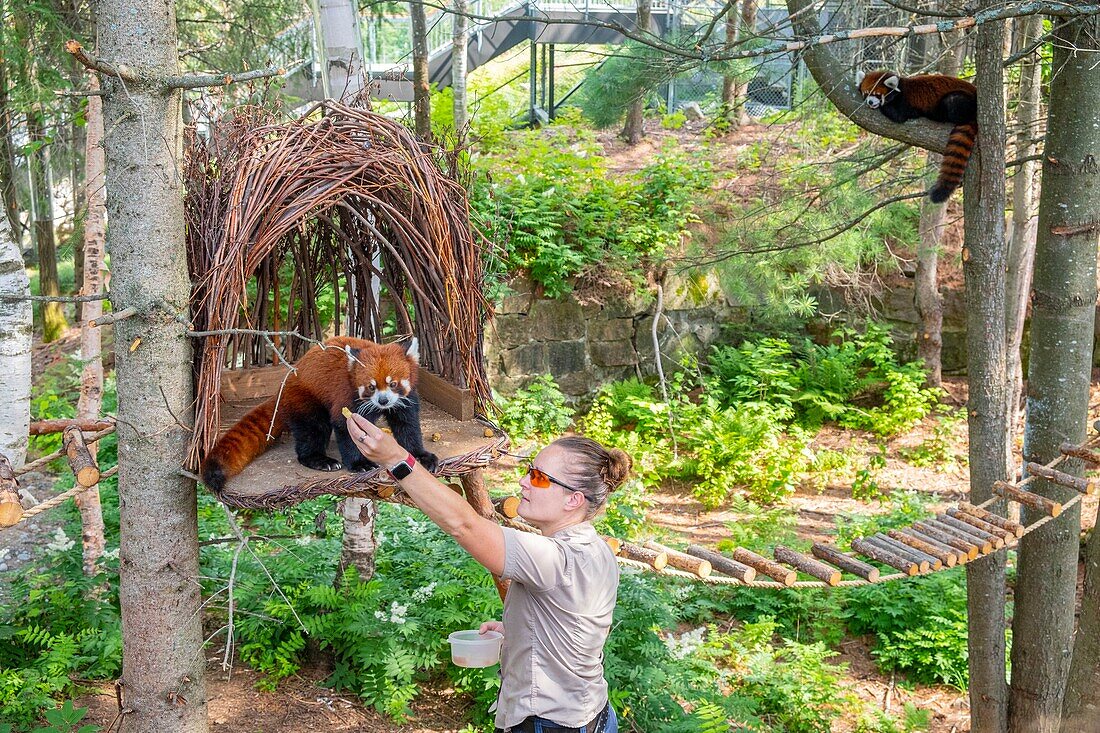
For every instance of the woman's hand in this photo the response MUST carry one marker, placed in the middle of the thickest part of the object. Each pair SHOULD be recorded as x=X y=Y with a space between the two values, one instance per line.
x=491 y=626
x=373 y=442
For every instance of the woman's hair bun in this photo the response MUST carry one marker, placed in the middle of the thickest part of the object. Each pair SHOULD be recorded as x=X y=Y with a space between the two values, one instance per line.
x=618 y=468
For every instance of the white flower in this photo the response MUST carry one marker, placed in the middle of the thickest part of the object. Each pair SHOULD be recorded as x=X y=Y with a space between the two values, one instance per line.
x=379 y=615
x=303 y=540
x=422 y=594
x=397 y=613
x=61 y=541
x=687 y=644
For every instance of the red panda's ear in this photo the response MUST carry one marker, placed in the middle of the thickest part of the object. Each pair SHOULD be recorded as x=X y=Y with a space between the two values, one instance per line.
x=892 y=82
x=859 y=76
x=353 y=356
x=412 y=349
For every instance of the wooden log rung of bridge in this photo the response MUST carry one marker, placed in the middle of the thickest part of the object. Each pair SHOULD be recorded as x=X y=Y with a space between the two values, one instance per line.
x=963 y=544
x=984 y=547
x=681 y=560
x=806 y=564
x=847 y=563
x=723 y=564
x=761 y=564
x=981 y=524
x=656 y=560
x=924 y=561
x=507 y=506
x=1004 y=523
x=995 y=540
x=1080 y=451
x=944 y=554
x=886 y=557
x=80 y=458
x=1032 y=501
x=1077 y=483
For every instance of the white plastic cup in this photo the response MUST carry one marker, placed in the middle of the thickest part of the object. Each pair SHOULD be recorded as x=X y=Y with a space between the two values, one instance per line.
x=474 y=649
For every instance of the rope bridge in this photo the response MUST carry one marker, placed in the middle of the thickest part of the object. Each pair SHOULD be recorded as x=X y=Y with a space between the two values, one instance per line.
x=959 y=535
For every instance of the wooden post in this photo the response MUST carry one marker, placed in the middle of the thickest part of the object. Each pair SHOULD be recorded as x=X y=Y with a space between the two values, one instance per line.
x=808 y=565
x=80 y=460
x=723 y=564
x=763 y=565
x=846 y=563
x=1032 y=501
x=681 y=560
x=473 y=483
x=11 y=510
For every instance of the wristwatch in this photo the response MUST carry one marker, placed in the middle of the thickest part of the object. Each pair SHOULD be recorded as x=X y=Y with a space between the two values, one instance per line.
x=404 y=468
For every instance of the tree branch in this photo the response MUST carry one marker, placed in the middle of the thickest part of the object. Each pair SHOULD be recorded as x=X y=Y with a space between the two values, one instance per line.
x=103 y=67
x=194 y=81
x=835 y=83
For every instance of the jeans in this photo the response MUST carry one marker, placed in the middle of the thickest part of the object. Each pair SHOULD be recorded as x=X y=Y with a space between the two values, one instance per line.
x=542 y=725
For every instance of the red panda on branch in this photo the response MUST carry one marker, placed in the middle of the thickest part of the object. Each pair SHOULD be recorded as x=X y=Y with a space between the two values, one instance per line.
x=370 y=379
x=938 y=98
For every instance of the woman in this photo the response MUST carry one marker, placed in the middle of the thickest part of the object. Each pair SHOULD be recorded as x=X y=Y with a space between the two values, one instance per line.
x=558 y=608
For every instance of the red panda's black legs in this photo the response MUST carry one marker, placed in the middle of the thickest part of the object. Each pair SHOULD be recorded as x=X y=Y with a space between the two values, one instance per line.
x=311 y=433
x=354 y=461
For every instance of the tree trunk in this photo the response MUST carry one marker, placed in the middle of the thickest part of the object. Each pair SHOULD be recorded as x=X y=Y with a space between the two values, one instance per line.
x=984 y=259
x=159 y=588
x=729 y=82
x=1081 y=709
x=15 y=350
x=459 y=56
x=1059 y=366
x=1021 y=248
x=422 y=99
x=91 y=379
x=740 y=92
x=926 y=290
x=8 y=191
x=359 y=545
x=633 y=131
x=53 y=317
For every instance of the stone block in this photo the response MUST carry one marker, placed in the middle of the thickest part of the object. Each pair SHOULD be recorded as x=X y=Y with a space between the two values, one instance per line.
x=692 y=290
x=527 y=359
x=576 y=384
x=564 y=357
x=510 y=331
x=551 y=320
x=630 y=305
x=615 y=329
x=613 y=353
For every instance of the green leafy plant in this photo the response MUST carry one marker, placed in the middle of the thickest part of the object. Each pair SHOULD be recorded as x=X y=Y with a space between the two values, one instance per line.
x=66 y=719
x=537 y=411
x=939 y=449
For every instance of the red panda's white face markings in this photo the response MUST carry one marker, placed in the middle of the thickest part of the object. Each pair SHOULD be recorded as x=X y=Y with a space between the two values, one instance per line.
x=383 y=379
x=878 y=87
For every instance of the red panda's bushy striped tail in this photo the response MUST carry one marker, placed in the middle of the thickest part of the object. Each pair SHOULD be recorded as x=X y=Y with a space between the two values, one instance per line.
x=244 y=442
x=959 y=146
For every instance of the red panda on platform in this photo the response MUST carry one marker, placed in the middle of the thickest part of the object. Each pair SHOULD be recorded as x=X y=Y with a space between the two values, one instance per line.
x=939 y=98
x=370 y=379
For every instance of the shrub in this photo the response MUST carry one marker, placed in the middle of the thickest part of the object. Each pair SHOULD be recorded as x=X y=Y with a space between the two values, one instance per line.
x=536 y=411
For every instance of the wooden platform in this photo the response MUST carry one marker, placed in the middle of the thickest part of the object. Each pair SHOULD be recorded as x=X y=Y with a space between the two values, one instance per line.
x=276 y=479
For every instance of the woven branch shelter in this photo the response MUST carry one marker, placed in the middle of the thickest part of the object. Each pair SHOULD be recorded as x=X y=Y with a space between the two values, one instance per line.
x=331 y=224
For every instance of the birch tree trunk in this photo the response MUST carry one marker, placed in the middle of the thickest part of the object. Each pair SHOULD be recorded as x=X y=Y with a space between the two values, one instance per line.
x=984 y=259
x=54 y=324
x=633 y=131
x=422 y=100
x=1059 y=366
x=359 y=544
x=741 y=90
x=15 y=350
x=1021 y=248
x=159 y=588
x=91 y=379
x=729 y=82
x=459 y=56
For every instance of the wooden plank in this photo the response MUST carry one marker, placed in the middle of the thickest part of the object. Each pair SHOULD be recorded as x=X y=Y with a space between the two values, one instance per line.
x=845 y=562
x=1077 y=483
x=240 y=385
x=808 y=565
x=1027 y=498
x=255 y=383
x=772 y=569
x=456 y=401
x=682 y=560
x=723 y=564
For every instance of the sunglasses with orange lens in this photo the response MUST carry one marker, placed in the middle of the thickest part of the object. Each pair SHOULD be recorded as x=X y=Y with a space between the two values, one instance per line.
x=541 y=479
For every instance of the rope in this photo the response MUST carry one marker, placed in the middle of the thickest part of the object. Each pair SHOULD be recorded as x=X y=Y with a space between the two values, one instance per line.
x=62 y=497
